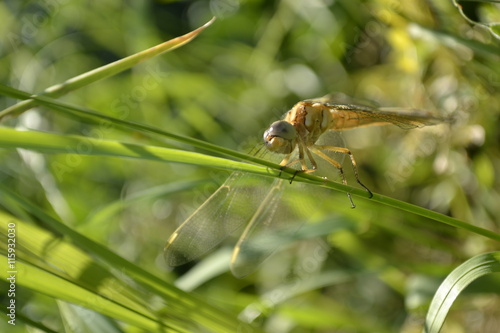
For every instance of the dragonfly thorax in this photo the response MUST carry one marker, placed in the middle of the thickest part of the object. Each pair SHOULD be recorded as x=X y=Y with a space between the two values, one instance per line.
x=280 y=137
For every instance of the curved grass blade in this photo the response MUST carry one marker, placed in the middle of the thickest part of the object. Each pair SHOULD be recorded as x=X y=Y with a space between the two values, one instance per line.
x=493 y=27
x=106 y=70
x=455 y=283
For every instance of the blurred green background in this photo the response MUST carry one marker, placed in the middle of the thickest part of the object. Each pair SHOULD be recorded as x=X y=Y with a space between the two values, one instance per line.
x=245 y=71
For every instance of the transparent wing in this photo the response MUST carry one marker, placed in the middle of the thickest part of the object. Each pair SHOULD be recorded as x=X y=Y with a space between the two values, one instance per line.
x=257 y=241
x=282 y=212
x=404 y=118
x=225 y=212
x=341 y=98
x=362 y=115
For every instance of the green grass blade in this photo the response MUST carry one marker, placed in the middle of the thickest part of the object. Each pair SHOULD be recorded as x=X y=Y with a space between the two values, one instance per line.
x=495 y=30
x=47 y=283
x=30 y=322
x=70 y=144
x=491 y=26
x=455 y=283
x=43 y=249
x=65 y=107
x=62 y=262
x=106 y=71
x=200 y=312
x=433 y=216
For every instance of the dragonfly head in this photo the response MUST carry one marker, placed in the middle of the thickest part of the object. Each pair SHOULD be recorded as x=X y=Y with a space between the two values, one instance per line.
x=280 y=137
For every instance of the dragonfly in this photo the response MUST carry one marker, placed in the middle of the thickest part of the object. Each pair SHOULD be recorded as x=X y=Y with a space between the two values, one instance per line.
x=264 y=212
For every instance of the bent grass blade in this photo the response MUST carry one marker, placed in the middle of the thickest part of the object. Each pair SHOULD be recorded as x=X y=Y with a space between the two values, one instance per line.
x=455 y=283
x=105 y=71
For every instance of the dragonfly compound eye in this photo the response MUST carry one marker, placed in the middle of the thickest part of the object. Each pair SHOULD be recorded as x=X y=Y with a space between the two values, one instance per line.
x=280 y=137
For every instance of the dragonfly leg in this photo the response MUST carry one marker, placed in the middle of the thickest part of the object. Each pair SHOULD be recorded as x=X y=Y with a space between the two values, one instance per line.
x=338 y=166
x=304 y=168
x=311 y=159
x=284 y=163
x=343 y=151
x=296 y=171
x=294 y=174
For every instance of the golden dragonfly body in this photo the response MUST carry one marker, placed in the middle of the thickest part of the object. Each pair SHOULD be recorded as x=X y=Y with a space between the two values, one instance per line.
x=304 y=124
x=243 y=201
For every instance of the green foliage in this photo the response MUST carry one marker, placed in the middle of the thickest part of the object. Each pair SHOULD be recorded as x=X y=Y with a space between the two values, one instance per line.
x=455 y=283
x=121 y=143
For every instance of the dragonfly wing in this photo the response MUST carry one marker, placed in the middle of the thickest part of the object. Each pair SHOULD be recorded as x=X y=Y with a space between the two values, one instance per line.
x=275 y=223
x=370 y=114
x=341 y=98
x=406 y=118
x=403 y=118
x=253 y=247
x=222 y=214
